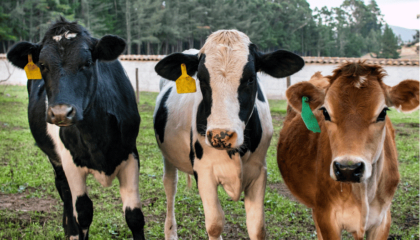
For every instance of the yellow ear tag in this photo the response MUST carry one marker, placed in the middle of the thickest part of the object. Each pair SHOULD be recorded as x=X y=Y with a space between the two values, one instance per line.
x=185 y=83
x=32 y=70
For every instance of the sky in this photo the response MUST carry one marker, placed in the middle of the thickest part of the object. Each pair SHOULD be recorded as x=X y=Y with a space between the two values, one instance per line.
x=401 y=13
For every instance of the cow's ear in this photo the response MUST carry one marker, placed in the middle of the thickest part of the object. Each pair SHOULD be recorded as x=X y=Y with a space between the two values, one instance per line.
x=404 y=96
x=279 y=64
x=108 y=48
x=18 y=54
x=170 y=66
x=295 y=93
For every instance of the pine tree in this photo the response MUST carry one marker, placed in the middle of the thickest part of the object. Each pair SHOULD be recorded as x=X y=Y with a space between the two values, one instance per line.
x=389 y=44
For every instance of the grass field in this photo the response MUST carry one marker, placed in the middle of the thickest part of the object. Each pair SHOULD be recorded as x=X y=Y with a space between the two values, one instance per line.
x=30 y=207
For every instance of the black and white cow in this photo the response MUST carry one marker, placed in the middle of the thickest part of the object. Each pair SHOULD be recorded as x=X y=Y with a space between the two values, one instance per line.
x=221 y=133
x=83 y=115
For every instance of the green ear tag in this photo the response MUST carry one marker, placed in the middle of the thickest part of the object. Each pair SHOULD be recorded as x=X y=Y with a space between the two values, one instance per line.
x=308 y=117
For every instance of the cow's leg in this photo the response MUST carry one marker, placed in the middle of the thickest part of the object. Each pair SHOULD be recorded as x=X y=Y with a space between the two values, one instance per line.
x=328 y=229
x=170 y=180
x=254 y=206
x=69 y=225
x=214 y=215
x=381 y=231
x=82 y=205
x=318 y=231
x=128 y=176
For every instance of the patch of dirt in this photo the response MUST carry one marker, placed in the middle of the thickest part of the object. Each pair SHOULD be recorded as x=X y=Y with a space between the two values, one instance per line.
x=233 y=230
x=407 y=125
x=403 y=134
x=24 y=220
x=394 y=237
x=4 y=125
x=149 y=202
x=146 y=108
x=411 y=221
x=282 y=189
x=19 y=202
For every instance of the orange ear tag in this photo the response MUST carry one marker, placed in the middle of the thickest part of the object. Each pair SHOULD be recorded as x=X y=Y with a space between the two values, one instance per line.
x=32 y=70
x=185 y=83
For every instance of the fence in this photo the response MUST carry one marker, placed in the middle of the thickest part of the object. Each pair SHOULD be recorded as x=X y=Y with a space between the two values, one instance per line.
x=148 y=80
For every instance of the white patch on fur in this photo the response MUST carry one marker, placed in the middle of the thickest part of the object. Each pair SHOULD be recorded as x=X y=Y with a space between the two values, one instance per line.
x=399 y=109
x=66 y=35
x=53 y=133
x=57 y=38
x=128 y=175
x=76 y=176
x=70 y=35
x=104 y=179
x=361 y=81
x=85 y=233
x=226 y=55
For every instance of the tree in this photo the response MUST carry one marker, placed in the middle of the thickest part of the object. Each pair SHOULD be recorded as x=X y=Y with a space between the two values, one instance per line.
x=389 y=44
x=156 y=27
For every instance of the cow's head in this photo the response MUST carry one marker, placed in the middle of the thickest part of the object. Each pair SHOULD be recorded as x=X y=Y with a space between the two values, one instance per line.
x=67 y=57
x=354 y=108
x=226 y=68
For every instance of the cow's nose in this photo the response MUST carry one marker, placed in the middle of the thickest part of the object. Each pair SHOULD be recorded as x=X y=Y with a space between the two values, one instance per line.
x=61 y=115
x=351 y=172
x=222 y=139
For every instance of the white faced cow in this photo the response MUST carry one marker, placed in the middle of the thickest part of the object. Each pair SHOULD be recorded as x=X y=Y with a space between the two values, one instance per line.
x=221 y=133
x=84 y=116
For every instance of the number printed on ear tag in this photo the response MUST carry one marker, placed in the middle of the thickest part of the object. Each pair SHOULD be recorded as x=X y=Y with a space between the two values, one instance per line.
x=32 y=70
x=185 y=83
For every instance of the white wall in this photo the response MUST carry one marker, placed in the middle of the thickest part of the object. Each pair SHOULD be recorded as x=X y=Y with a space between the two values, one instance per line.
x=274 y=88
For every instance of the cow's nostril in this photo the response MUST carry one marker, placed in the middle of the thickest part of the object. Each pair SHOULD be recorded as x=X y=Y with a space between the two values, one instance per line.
x=348 y=172
x=222 y=139
x=70 y=112
x=360 y=168
x=337 y=169
x=62 y=115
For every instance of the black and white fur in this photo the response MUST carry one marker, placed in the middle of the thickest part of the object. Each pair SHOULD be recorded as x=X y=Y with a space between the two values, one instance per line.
x=229 y=97
x=98 y=133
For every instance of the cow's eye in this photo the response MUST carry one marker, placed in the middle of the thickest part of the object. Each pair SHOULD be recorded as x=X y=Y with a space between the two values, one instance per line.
x=251 y=80
x=382 y=115
x=42 y=66
x=86 y=65
x=326 y=115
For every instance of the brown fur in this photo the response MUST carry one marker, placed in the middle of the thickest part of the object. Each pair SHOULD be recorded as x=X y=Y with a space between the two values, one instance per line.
x=261 y=234
x=402 y=95
x=215 y=230
x=295 y=93
x=353 y=72
x=320 y=81
x=304 y=157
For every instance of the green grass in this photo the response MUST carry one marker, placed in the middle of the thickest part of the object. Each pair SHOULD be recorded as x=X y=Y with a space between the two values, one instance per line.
x=25 y=173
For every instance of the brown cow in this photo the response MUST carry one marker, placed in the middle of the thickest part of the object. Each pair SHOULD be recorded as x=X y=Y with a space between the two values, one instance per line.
x=348 y=173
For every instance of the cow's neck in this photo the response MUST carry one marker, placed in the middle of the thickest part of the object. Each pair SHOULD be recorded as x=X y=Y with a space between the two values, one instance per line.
x=366 y=192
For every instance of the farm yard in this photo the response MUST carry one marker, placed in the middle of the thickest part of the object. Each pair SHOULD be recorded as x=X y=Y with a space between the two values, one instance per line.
x=30 y=207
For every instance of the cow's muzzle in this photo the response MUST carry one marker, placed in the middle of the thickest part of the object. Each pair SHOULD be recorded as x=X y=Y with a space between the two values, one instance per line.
x=61 y=115
x=348 y=172
x=222 y=139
